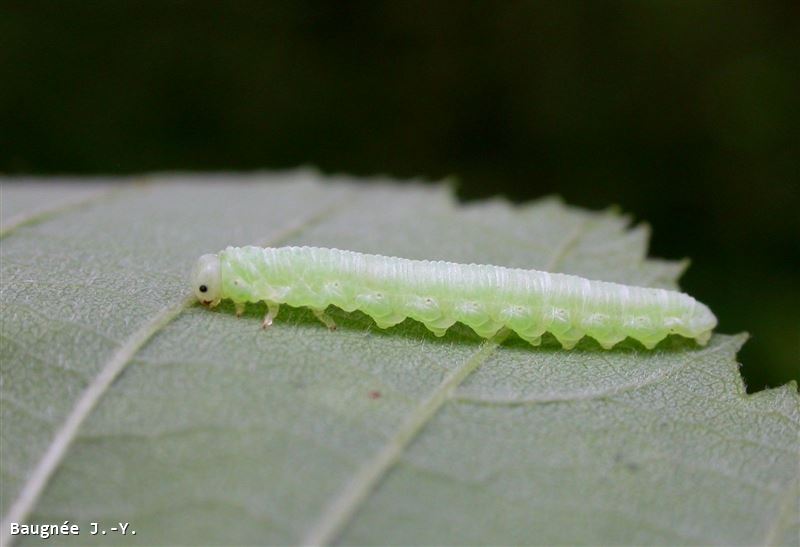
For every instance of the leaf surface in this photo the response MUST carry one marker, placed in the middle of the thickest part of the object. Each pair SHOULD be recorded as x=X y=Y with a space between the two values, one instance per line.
x=124 y=402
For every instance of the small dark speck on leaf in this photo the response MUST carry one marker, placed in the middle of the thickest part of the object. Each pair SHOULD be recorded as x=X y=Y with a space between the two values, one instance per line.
x=627 y=464
x=374 y=394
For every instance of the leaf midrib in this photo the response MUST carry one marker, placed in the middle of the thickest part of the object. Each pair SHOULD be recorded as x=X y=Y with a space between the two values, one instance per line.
x=55 y=209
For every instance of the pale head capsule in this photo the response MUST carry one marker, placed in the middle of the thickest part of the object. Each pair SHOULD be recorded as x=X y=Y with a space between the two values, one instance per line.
x=207 y=280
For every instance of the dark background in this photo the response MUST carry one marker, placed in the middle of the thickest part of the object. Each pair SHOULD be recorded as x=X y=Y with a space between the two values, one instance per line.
x=686 y=114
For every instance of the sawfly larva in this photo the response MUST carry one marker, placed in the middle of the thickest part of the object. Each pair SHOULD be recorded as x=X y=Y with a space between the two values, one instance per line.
x=486 y=298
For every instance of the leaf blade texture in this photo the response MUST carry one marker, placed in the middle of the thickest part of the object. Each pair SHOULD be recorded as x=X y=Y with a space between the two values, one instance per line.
x=206 y=429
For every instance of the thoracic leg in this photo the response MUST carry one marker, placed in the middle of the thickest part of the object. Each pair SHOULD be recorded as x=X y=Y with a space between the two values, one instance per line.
x=272 y=312
x=325 y=318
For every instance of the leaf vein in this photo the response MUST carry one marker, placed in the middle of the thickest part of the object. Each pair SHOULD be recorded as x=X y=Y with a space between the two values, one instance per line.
x=64 y=437
x=39 y=215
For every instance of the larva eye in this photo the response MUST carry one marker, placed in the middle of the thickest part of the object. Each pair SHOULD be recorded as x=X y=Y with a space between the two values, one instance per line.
x=206 y=280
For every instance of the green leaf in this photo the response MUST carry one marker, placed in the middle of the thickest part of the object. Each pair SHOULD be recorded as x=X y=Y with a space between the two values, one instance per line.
x=122 y=401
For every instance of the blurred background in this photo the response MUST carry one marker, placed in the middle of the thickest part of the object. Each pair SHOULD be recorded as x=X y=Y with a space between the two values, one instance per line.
x=685 y=114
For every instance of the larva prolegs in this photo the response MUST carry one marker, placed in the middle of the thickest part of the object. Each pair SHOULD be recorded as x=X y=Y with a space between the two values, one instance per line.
x=607 y=343
x=532 y=340
x=438 y=332
x=389 y=321
x=567 y=343
x=239 y=308
x=439 y=326
x=488 y=329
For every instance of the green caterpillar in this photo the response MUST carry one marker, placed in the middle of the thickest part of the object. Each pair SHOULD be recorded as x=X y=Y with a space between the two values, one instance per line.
x=486 y=298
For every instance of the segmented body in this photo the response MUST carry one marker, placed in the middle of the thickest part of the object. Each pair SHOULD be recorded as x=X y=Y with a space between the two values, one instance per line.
x=484 y=297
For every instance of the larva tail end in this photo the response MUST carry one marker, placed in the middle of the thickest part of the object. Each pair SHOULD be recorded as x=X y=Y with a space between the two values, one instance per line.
x=702 y=324
x=703 y=338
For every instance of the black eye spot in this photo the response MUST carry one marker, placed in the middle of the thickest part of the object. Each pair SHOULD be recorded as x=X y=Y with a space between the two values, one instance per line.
x=203 y=288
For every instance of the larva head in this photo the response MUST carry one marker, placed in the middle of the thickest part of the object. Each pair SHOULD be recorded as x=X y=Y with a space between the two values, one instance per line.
x=207 y=280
